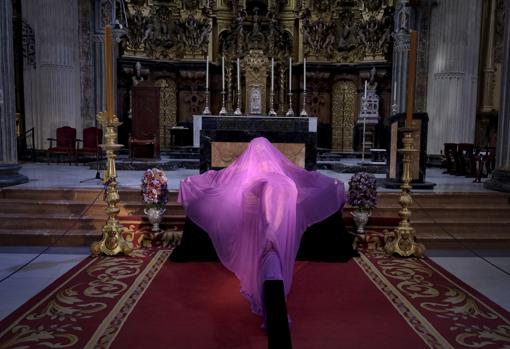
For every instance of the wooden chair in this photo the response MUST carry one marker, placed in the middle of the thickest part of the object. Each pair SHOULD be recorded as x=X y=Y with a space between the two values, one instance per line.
x=144 y=137
x=450 y=153
x=92 y=137
x=65 y=143
x=465 y=159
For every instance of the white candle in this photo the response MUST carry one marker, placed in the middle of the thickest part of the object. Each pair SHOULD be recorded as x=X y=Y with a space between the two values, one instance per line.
x=304 y=74
x=238 y=76
x=395 y=92
x=272 y=74
x=223 y=73
x=290 y=73
x=207 y=73
x=366 y=83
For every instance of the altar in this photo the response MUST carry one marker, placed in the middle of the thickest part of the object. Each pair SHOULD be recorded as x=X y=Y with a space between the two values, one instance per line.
x=222 y=139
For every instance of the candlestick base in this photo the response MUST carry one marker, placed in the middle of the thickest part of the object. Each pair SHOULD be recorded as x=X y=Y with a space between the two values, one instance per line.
x=223 y=111
x=238 y=112
x=272 y=112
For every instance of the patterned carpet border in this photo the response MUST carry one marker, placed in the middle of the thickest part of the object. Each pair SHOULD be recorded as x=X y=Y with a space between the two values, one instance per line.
x=443 y=311
x=102 y=290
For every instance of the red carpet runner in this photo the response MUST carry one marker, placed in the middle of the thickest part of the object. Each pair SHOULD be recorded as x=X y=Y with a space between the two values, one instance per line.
x=149 y=302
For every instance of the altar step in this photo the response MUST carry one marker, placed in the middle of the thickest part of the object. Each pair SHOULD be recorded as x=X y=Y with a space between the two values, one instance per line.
x=455 y=220
x=76 y=216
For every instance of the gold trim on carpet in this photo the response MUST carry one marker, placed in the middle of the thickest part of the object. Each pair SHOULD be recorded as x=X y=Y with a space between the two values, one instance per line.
x=115 y=283
x=464 y=318
x=106 y=333
x=24 y=334
x=412 y=316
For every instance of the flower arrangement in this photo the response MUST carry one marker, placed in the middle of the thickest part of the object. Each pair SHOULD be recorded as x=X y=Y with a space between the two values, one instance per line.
x=362 y=191
x=154 y=188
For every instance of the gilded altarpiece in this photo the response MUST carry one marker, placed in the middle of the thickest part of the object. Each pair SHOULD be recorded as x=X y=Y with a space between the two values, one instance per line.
x=339 y=38
x=343 y=115
x=255 y=67
x=167 y=110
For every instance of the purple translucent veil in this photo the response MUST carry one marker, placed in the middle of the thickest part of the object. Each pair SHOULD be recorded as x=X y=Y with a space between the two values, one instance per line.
x=255 y=212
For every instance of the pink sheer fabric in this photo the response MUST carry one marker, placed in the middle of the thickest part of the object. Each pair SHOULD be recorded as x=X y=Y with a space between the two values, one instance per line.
x=255 y=212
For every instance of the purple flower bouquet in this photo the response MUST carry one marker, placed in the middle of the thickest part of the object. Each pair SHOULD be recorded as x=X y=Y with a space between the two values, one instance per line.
x=154 y=188
x=362 y=191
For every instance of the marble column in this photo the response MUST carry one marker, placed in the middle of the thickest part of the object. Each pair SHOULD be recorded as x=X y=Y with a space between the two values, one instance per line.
x=401 y=44
x=8 y=144
x=453 y=73
x=52 y=87
x=501 y=177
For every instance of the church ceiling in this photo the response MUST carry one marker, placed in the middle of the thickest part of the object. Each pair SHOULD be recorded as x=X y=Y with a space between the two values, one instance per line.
x=339 y=31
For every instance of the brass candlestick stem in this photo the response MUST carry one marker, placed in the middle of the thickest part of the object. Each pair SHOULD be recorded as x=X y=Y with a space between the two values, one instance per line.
x=206 y=108
x=112 y=241
x=272 y=112
x=238 y=111
x=290 y=112
x=303 y=112
x=223 y=110
x=401 y=240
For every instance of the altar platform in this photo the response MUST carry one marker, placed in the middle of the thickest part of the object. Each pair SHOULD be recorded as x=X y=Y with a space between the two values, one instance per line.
x=222 y=139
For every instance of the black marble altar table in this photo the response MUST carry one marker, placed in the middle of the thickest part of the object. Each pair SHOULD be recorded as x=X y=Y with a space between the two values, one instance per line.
x=222 y=138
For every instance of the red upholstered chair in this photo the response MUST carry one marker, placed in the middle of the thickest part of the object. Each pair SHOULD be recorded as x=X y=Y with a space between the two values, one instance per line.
x=65 y=143
x=92 y=137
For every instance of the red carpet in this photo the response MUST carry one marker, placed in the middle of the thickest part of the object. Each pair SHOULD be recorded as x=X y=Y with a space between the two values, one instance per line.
x=148 y=302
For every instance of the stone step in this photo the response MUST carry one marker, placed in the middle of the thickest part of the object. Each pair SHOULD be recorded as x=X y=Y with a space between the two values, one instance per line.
x=61 y=221
x=24 y=206
x=88 y=195
x=76 y=216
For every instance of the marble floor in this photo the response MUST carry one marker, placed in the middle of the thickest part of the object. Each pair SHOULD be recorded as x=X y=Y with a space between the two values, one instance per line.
x=26 y=270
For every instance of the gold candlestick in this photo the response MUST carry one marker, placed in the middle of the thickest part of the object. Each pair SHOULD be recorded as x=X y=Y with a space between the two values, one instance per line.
x=401 y=240
x=112 y=241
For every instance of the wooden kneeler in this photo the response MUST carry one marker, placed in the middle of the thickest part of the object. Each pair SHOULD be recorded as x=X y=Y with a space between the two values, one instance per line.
x=277 y=323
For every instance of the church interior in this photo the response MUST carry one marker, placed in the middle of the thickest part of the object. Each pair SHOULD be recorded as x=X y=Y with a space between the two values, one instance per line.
x=97 y=95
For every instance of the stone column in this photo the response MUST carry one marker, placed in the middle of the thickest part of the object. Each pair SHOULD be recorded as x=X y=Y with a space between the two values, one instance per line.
x=453 y=72
x=501 y=177
x=401 y=44
x=8 y=144
x=52 y=87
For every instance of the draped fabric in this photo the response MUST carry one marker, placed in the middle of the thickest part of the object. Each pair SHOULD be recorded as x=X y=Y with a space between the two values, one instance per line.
x=255 y=212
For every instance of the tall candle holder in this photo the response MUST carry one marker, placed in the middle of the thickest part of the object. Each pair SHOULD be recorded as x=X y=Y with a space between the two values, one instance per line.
x=303 y=112
x=223 y=110
x=290 y=112
x=206 y=109
x=238 y=111
x=402 y=240
x=112 y=242
x=364 y=109
x=272 y=112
